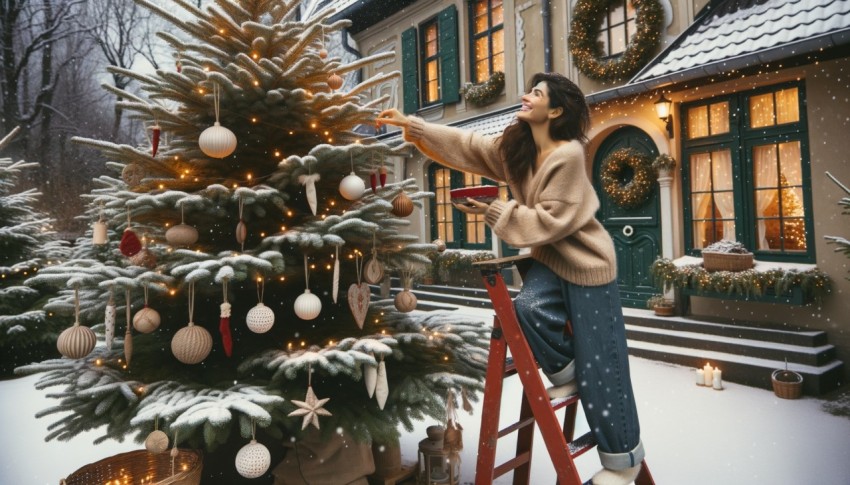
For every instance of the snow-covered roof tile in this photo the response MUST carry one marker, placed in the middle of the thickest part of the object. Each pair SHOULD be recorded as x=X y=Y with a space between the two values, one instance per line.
x=738 y=29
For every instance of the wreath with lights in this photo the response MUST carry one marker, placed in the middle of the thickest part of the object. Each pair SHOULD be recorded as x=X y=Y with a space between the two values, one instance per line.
x=587 y=50
x=484 y=93
x=626 y=192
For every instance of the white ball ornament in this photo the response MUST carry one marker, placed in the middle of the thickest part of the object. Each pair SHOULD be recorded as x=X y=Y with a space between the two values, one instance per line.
x=260 y=319
x=352 y=187
x=253 y=460
x=308 y=306
x=217 y=141
x=76 y=342
x=156 y=442
x=191 y=344
x=146 y=320
x=181 y=235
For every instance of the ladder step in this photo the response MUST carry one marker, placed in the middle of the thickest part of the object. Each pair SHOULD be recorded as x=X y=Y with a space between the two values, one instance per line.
x=512 y=464
x=529 y=421
x=581 y=444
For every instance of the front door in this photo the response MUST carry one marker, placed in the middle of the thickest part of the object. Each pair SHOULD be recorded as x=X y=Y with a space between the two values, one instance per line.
x=635 y=228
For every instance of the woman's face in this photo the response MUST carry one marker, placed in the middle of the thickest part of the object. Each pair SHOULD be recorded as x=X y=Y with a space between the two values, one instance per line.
x=535 y=105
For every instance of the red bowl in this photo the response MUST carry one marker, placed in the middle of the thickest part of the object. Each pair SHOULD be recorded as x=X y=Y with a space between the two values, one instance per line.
x=481 y=193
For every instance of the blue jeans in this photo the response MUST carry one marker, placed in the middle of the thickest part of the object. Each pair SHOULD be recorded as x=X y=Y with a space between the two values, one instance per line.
x=596 y=355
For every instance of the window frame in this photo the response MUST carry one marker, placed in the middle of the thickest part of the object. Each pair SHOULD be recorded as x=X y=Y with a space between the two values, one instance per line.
x=459 y=219
x=473 y=37
x=625 y=25
x=741 y=140
x=423 y=62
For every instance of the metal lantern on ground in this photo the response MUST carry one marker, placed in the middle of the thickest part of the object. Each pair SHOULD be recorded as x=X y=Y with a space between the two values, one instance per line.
x=434 y=466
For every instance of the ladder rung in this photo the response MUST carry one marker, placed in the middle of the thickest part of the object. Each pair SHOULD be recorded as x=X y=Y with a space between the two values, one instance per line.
x=512 y=464
x=518 y=425
x=563 y=402
x=581 y=444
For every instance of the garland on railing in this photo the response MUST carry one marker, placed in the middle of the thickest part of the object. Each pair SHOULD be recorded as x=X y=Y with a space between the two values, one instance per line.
x=813 y=283
x=587 y=50
x=486 y=92
x=627 y=193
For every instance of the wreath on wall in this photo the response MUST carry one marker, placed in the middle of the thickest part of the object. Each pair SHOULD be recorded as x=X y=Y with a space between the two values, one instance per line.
x=587 y=50
x=627 y=177
x=484 y=93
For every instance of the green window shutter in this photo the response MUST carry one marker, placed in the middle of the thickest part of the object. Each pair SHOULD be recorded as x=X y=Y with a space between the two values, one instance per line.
x=410 y=70
x=449 y=63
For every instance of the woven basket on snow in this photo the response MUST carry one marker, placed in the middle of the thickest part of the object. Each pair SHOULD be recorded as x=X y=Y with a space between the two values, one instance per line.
x=726 y=261
x=787 y=384
x=142 y=466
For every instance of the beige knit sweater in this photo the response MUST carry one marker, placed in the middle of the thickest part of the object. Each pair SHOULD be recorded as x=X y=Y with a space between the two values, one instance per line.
x=553 y=211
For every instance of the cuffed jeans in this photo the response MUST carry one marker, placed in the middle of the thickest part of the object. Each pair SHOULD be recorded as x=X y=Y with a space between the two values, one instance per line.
x=596 y=355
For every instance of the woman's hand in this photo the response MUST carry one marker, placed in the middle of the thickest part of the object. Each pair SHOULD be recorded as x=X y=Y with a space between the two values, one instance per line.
x=392 y=117
x=472 y=206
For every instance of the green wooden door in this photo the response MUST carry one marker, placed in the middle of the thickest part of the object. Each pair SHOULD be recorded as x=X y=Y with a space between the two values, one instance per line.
x=636 y=231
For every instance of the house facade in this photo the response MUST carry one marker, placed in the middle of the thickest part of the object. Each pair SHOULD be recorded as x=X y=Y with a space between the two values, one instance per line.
x=748 y=97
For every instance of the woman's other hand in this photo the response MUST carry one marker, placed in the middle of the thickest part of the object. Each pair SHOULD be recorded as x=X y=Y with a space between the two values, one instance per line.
x=472 y=206
x=392 y=117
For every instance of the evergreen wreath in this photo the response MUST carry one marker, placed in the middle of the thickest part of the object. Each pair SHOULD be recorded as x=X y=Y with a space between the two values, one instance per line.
x=486 y=92
x=587 y=50
x=626 y=192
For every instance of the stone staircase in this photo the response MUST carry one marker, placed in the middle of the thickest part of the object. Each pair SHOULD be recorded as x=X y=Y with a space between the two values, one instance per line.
x=746 y=352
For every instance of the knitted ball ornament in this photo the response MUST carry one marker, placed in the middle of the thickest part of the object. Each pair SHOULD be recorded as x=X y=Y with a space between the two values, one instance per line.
x=191 y=344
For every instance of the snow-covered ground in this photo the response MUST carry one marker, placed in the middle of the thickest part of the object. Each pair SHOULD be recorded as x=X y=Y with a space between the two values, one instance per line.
x=693 y=435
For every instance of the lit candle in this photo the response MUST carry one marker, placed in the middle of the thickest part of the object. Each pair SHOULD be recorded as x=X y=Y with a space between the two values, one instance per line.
x=707 y=374
x=717 y=382
x=700 y=377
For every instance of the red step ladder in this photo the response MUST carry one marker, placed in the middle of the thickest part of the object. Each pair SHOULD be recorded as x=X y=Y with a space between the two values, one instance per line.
x=536 y=405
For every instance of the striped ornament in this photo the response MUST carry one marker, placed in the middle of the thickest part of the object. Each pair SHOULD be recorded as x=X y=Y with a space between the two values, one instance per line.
x=191 y=344
x=76 y=342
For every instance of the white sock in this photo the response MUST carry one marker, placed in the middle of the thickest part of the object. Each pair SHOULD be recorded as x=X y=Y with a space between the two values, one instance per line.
x=558 y=392
x=615 y=477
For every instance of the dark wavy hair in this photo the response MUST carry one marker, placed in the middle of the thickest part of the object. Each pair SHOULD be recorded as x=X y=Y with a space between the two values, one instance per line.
x=516 y=145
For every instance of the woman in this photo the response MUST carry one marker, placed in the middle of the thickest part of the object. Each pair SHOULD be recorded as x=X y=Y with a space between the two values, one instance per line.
x=573 y=276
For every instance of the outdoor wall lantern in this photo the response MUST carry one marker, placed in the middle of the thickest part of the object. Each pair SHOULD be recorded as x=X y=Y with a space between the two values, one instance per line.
x=663 y=107
x=436 y=466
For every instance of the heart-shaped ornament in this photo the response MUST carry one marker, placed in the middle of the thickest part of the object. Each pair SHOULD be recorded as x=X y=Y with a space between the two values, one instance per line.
x=358 y=301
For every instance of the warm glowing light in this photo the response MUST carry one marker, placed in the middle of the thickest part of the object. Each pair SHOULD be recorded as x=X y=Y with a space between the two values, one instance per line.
x=282 y=278
x=98 y=362
x=312 y=125
x=255 y=55
x=250 y=176
x=172 y=292
x=256 y=83
x=220 y=31
x=253 y=119
x=288 y=213
x=201 y=90
x=262 y=234
x=333 y=202
x=327 y=133
x=282 y=228
x=303 y=343
x=327 y=266
x=277 y=153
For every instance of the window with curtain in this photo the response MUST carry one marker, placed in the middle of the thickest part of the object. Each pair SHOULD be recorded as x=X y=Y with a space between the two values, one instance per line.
x=618 y=27
x=747 y=175
x=487 y=19
x=457 y=229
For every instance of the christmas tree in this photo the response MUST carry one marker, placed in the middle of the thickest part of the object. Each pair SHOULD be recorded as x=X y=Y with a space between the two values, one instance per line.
x=234 y=269
x=27 y=243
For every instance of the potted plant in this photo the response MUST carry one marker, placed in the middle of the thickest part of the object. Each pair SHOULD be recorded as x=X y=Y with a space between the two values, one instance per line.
x=660 y=305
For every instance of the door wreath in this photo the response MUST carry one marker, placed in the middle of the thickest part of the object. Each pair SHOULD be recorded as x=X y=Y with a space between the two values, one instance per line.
x=627 y=177
x=587 y=50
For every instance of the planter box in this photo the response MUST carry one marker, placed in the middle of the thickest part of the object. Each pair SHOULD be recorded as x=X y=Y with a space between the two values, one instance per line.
x=726 y=261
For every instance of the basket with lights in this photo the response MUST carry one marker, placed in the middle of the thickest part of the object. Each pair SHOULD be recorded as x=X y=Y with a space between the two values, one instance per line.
x=180 y=467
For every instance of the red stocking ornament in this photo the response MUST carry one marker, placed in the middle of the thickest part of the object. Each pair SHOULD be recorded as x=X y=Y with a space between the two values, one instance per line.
x=224 y=324
x=155 y=139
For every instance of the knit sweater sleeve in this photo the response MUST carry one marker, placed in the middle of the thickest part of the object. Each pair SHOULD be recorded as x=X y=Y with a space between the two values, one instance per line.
x=457 y=148
x=564 y=204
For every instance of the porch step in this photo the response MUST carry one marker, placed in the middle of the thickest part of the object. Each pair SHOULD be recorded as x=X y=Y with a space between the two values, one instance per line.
x=747 y=354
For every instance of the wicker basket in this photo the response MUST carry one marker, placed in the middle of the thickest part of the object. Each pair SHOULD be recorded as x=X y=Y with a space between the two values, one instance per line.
x=787 y=384
x=141 y=466
x=726 y=261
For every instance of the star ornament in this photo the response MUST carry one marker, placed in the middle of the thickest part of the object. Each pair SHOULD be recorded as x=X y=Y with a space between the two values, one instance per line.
x=311 y=408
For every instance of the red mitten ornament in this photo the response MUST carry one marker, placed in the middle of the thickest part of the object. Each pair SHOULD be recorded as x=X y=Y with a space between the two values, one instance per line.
x=224 y=329
x=130 y=244
x=155 y=139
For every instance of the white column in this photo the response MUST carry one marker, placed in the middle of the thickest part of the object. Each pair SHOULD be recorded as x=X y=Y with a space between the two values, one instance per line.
x=665 y=181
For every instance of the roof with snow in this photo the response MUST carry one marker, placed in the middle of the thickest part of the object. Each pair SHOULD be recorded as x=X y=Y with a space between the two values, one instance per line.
x=732 y=35
x=366 y=13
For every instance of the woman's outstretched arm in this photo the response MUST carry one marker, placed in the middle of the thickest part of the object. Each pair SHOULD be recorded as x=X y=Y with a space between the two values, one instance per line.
x=453 y=147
